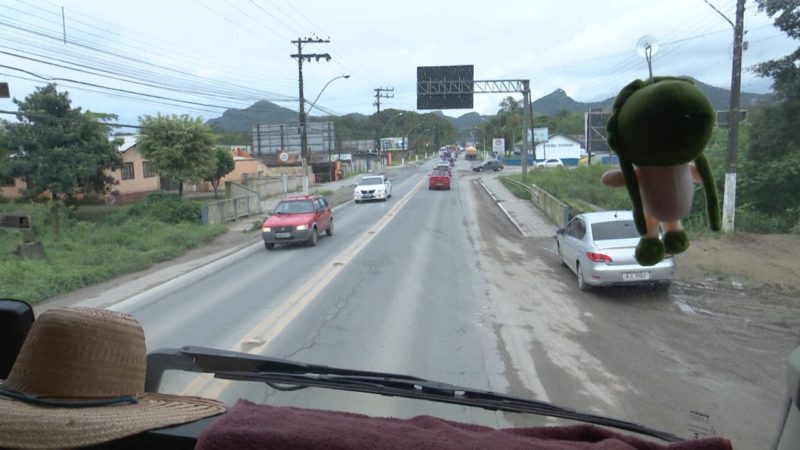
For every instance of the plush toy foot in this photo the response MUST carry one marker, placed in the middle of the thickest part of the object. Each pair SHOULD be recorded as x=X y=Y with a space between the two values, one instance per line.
x=649 y=251
x=676 y=242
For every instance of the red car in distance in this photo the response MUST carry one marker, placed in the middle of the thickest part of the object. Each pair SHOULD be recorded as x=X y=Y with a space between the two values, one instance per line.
x=298 y=219
x=439 y=179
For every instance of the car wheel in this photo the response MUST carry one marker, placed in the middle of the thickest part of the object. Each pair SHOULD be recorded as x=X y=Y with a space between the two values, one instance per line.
x=358 y=201
x=312 y=241
x=560 y=256
x=582 y=285
x=480 y=170
x=269 y=245
x=663 y=286
x=329 y=231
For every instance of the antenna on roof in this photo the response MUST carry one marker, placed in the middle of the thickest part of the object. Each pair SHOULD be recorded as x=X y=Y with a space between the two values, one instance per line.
x=647 y=46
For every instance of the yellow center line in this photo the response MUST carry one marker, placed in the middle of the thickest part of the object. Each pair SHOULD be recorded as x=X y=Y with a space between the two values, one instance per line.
x=274 y=323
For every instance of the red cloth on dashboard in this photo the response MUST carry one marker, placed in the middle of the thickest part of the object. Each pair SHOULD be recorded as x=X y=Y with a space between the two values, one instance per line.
x=251 y=426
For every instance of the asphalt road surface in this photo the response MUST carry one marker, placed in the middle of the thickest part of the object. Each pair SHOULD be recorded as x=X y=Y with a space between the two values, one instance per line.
x=440 y=285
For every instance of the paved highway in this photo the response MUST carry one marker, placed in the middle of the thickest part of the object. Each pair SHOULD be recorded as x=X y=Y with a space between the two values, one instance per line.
x=440 y=285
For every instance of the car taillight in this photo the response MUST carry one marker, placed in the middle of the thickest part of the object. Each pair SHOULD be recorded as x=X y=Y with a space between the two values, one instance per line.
x=598 y=257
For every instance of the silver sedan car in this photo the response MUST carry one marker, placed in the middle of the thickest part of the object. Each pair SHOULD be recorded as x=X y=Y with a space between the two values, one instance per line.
x=599 y=247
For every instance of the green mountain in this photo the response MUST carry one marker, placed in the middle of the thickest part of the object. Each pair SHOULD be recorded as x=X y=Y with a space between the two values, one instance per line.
x=242 y=120
x=558 y=100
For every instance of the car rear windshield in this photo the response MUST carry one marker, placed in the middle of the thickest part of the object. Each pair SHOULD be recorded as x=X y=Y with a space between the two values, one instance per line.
x=617 y=229
x=370 y=181
x=295 y=207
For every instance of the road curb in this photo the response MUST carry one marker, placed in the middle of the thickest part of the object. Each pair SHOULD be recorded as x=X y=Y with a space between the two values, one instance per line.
x=502 y=208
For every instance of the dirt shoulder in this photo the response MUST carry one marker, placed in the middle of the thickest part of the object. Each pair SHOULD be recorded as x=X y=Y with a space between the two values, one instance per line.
x=743 y=259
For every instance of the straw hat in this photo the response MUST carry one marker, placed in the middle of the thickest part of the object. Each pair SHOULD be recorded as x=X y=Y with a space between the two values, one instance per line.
x=79 y=380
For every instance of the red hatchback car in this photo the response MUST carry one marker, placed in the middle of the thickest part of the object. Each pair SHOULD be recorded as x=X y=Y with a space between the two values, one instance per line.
x=298 y=219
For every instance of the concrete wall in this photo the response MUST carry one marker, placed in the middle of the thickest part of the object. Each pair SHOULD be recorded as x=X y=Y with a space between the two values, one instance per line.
x=222 y=211
x=554 y=208
x=274 y=186
x=241 y=201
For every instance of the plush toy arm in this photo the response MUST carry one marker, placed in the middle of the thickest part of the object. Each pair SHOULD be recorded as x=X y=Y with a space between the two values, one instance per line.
x=613 y=178
x=710 y=186
x=632 y=183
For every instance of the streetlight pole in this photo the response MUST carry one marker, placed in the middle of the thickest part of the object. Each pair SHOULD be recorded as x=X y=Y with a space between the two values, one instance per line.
x=311 y=106
x=314 y=103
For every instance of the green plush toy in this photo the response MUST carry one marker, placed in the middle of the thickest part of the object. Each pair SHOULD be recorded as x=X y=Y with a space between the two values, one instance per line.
x=659 y=129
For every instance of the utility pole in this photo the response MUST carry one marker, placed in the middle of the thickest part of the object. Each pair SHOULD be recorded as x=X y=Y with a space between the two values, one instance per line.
x=526 y=98
x=380 y=93
x=300 y=56
x=729 y=196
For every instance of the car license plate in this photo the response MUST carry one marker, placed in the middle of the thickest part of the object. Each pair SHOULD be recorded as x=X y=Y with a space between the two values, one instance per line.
x=367 y=195
x=283 y=235
x=635 y=276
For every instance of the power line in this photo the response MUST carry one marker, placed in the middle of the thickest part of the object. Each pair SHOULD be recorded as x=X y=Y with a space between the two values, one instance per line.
x=113 y=89
x=44 y=114
x=89 y=47
x=150 y=46
x=119 y=78
x=238 y=25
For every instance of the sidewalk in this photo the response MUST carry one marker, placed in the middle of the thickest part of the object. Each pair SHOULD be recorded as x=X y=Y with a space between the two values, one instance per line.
x=527 y=218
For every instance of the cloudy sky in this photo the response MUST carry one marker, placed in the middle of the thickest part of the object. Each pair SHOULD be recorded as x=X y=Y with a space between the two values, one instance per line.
x=202 y=56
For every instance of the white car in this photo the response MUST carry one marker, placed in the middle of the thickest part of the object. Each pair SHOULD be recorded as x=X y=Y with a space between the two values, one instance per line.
x=599 y=247
x=373 y=187
x=552 y=162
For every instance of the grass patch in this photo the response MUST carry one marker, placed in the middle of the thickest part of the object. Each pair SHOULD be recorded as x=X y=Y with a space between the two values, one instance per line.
x=90 y=252
x=581 y=189
x=516 y=190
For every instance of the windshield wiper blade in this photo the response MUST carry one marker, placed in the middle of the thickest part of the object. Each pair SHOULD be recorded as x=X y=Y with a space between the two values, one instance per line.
x=439 y=392
x=289 y=375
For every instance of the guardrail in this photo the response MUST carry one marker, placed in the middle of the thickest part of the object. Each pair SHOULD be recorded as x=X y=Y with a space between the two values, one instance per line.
x=554 y=208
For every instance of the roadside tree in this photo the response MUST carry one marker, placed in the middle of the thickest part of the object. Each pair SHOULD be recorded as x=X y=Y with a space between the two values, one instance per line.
x=58 y=149
x=179 y=147
x=224 y=165
x=770 y=170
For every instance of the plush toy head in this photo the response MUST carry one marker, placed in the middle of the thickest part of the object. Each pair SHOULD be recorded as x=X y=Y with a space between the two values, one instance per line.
x=661 y=123
x=657 y=128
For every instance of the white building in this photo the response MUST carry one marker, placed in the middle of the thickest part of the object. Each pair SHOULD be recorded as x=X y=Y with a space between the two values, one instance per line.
x=568 y=150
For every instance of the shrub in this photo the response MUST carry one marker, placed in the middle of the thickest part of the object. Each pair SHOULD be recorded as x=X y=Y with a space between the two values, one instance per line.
x=166 y=208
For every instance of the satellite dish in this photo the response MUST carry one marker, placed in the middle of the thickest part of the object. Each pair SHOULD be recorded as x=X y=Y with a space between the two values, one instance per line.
x=647 y=46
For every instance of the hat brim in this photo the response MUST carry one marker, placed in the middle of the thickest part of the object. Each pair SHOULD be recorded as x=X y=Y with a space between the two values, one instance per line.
x=23 y=425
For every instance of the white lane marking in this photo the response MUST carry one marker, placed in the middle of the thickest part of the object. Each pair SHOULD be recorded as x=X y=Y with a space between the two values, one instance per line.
x=273 y=324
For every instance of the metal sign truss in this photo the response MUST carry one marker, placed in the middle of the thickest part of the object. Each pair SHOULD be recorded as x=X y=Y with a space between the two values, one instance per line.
x=462 y=87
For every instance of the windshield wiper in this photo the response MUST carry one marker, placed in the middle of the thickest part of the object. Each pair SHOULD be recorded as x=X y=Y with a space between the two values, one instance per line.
x=283 y=374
